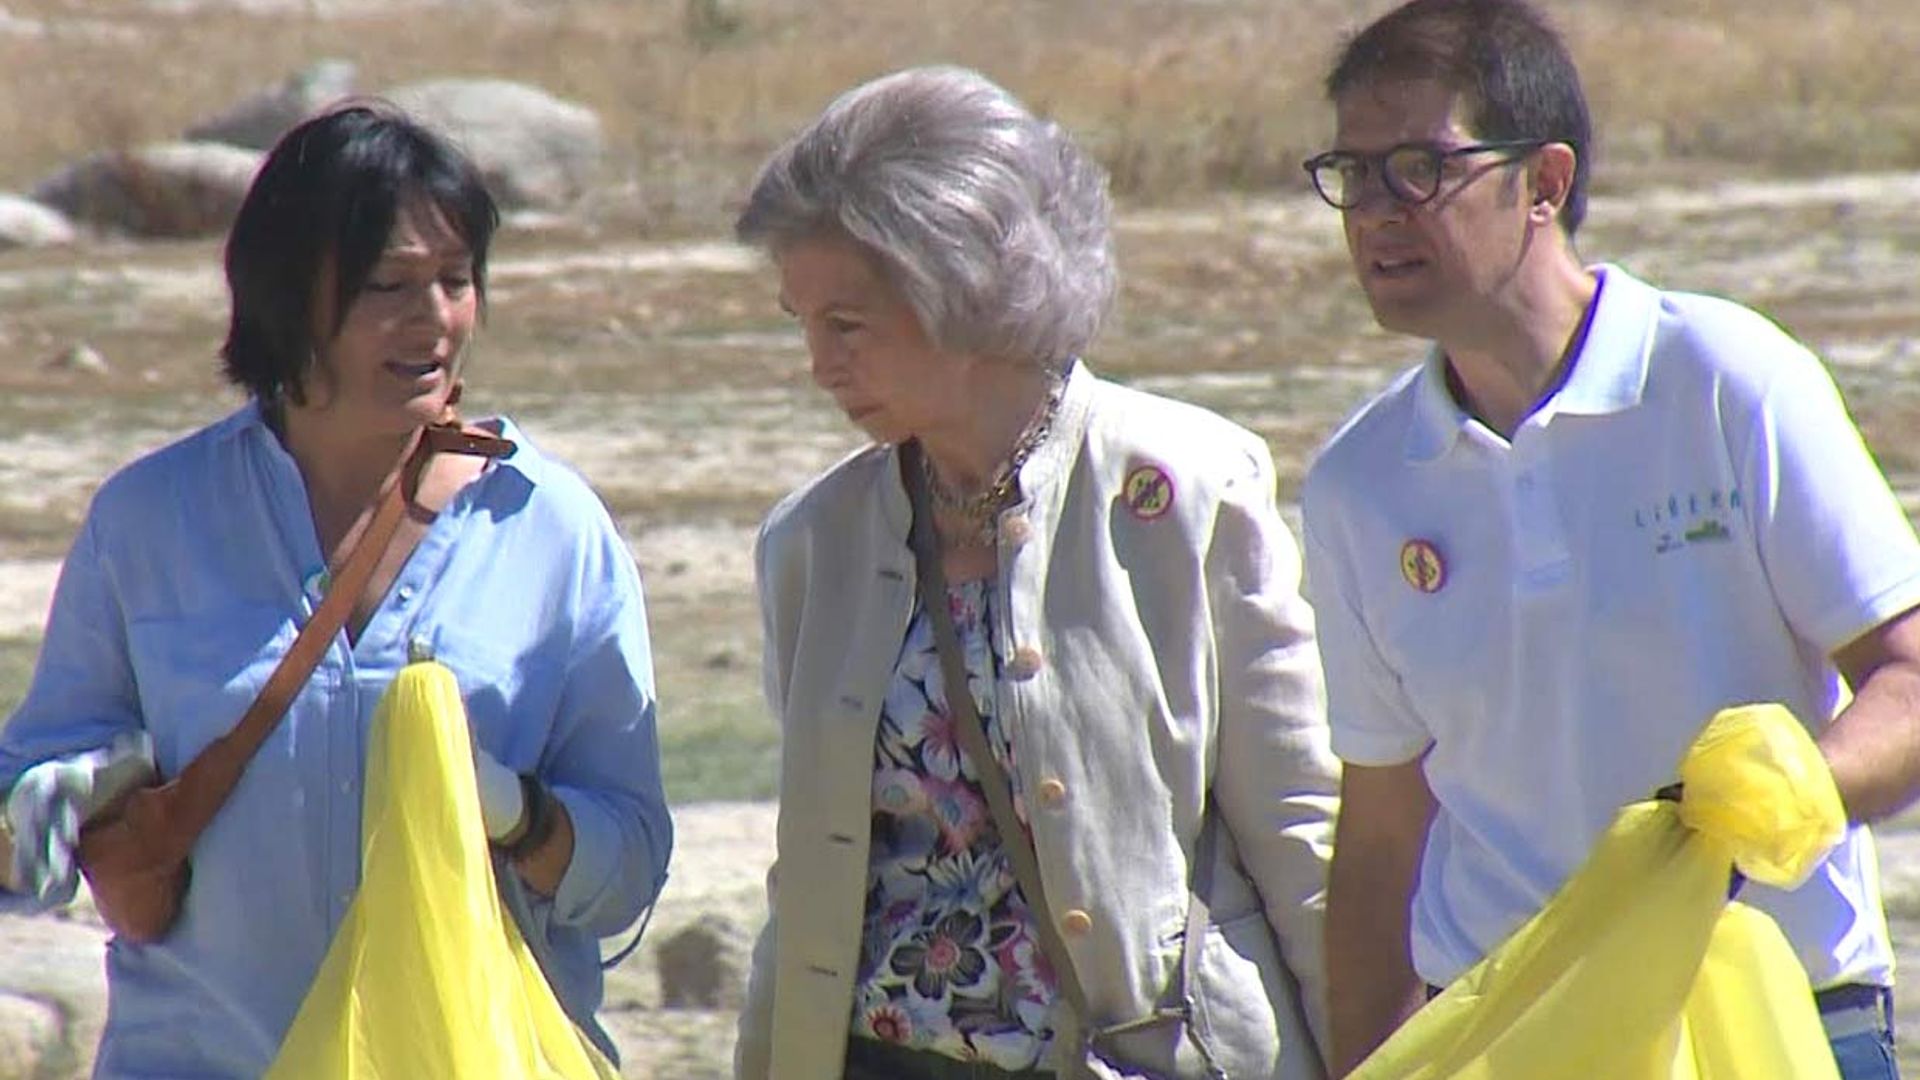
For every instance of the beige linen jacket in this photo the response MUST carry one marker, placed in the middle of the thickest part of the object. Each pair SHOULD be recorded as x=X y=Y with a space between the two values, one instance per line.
x=1157 y=649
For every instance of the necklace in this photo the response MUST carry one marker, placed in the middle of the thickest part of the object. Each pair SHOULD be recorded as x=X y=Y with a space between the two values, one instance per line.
x=979 y=513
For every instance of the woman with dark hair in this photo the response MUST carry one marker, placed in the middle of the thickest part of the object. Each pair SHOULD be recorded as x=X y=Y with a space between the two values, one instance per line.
x=357 y=266
x=1055 y=784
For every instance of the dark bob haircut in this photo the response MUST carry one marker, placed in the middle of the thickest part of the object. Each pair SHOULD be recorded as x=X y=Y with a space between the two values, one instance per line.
x=1502 y=55
x=328 y=194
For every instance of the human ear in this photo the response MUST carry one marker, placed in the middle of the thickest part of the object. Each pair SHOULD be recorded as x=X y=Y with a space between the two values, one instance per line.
x=1551 y=180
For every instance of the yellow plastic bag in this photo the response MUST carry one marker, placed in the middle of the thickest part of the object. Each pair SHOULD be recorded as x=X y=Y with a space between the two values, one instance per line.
x=428 y=976
x=1639 y=969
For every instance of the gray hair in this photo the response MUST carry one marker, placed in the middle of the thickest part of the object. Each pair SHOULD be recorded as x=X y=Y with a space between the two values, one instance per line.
x=990 y=221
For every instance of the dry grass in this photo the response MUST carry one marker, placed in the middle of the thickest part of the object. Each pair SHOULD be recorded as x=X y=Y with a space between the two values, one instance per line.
x=681 y=394
x=1179 y=97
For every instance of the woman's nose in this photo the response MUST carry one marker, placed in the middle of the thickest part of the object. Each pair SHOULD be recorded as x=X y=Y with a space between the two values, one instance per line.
x=434 y=304
x=824 y=360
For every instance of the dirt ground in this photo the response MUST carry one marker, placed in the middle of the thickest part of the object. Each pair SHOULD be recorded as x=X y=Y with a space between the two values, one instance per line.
x=666 y=374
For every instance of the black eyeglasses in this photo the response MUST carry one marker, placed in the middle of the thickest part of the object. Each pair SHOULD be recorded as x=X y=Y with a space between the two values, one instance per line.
x=1410 y=171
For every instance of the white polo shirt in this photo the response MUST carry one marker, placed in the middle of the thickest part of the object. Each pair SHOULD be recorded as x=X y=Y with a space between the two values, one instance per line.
x=1690 y=522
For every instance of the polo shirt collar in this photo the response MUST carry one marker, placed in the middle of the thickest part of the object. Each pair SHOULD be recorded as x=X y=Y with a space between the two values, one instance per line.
x=1611 y=370
x=1437 y=418
x=1608 y=375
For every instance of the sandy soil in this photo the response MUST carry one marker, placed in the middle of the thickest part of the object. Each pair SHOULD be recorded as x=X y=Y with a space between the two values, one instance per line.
x=663 y=372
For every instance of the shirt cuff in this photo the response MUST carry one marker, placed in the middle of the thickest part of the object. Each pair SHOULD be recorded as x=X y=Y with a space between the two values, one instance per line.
x=596 y=854
x=1846 y=626
x=1375 y=748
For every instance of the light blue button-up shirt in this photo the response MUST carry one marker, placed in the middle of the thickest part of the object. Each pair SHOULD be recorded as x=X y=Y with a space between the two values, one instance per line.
x=193 y=572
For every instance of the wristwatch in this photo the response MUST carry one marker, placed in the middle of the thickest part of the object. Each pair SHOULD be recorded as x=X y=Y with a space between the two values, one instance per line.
x=536 y=828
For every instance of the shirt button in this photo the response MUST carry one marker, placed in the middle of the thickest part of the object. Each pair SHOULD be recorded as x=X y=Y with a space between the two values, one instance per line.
x=1016 y=530
x=1052 y=792
x=1025 y=663
x=1075 y=923
x=406 y=593
x=346 y=787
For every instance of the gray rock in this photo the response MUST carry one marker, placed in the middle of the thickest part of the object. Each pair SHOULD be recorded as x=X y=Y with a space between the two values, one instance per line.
x=162 y=189
x=704 y=965
x=32 y=1037
x=25 y=223
x=258 y=121
x=534 y=149
x=82 y=359
x=52 y=979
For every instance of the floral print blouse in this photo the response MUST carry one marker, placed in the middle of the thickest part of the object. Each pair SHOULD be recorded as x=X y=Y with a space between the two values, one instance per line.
x=949 y=961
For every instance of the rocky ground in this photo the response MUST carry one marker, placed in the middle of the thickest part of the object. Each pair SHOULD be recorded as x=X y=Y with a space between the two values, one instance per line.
x=664 y=372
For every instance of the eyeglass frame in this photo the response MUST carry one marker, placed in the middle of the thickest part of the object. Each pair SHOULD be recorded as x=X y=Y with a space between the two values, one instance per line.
x=1377 y=162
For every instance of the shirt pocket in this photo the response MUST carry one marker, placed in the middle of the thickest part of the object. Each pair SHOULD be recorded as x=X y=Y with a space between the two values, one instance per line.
x=197 y=674
x=491 y=686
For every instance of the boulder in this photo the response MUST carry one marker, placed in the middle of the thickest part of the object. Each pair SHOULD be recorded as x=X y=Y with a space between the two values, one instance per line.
x=258 y=121
x=78 y=359
x=535 y=150
x=161 y=189
x=25 y=223
x=53 y=995
x=703 y=965
x=32 y=1038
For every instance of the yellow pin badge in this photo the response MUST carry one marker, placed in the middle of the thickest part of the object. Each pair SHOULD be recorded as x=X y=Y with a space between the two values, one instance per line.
x=1148 y=492
x=1422 y=566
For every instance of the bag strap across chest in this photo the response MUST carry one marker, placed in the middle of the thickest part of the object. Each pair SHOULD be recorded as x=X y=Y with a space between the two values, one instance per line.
x=204 y=785
x=997 y=786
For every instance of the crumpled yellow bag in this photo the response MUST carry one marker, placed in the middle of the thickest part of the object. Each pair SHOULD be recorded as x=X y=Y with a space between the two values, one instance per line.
x=428 y=976
x=1639 y=968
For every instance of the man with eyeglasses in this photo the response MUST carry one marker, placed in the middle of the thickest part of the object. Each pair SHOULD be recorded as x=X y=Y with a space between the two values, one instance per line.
x=1595 y=515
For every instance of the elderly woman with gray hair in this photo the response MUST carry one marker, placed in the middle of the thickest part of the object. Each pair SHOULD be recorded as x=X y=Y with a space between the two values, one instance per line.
x=1108 y=857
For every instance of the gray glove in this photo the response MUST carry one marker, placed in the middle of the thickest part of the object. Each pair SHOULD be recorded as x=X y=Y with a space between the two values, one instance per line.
x=50 y=802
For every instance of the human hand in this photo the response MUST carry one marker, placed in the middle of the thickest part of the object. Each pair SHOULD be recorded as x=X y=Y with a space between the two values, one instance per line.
x=1735 y=879
x=503 y=803
x=52 y=800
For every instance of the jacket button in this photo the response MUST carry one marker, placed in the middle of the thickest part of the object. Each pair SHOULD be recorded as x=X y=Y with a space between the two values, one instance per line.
x=1016 y=530
x=1052 y=792
x=1025 y=663
x=1075 y=923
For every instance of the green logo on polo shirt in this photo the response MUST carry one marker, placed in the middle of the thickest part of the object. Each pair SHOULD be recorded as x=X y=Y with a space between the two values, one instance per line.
x=1710 y=529
x=1692 y=517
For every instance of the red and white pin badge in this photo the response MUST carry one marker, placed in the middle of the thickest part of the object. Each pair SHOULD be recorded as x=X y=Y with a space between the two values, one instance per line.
x=1422 y=566
x=1148 y=491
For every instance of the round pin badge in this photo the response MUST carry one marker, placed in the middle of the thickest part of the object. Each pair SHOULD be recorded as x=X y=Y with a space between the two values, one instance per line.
x=1421 y=565
x=1148 y=491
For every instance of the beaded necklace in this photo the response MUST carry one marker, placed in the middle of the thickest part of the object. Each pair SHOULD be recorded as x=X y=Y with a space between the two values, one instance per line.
x=979 y=513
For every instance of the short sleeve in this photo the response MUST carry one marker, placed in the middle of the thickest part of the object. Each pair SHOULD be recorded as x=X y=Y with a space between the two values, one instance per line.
x=1371 y=719
x=1838 y=549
